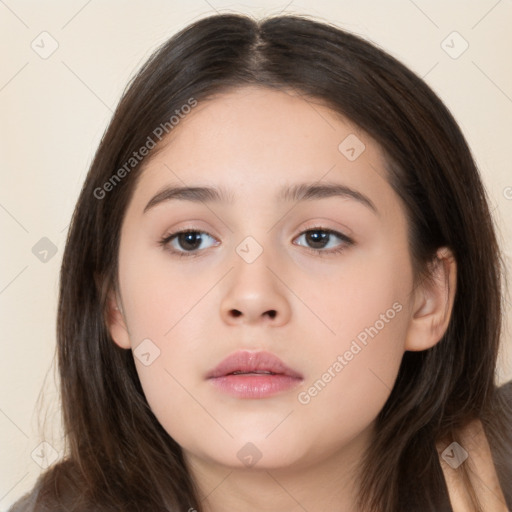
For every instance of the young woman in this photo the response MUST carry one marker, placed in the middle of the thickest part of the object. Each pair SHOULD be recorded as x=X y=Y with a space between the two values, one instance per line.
x=281 y=290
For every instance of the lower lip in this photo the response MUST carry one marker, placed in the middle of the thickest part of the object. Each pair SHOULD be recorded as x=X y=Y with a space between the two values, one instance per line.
x=255 y=386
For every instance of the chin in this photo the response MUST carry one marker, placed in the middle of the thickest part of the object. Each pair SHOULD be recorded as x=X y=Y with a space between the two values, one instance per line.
x=253 y=452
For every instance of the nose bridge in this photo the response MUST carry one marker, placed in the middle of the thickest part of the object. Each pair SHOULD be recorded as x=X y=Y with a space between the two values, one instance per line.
x=254 y=291
x=252 y=262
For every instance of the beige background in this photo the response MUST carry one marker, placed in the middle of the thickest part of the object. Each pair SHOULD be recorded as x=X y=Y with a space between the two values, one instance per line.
x=55 y=109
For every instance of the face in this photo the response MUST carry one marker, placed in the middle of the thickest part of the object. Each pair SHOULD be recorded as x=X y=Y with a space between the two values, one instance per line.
x=309 y=293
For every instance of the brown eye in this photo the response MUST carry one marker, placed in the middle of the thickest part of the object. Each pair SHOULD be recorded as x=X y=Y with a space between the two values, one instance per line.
x=186 y=242
x=318 y=239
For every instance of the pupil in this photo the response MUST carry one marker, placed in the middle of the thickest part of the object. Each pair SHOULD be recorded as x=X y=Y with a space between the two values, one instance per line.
x=190 y=238
x=315 y=238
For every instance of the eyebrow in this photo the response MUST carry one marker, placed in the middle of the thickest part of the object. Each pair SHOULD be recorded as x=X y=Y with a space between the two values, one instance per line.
x=294 y=193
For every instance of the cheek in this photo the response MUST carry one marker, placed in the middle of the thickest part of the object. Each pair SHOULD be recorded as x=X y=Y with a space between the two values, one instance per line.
x=367 y=313
x=353 y=378
x=370 y=291
x=158 y=295
x=168 y=320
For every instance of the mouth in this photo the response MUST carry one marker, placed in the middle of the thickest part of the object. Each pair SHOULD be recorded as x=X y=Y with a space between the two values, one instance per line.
x=245 y=362
x=238 y=372
x=246 y=374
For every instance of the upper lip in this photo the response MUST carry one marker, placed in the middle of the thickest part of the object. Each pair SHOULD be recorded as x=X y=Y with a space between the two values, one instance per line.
x=252 y=362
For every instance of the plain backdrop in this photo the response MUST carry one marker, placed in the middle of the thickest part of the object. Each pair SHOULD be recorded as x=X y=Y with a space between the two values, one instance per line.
x=64 y=65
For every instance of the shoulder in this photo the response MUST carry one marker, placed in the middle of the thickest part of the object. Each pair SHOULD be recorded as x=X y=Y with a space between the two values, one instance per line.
x=473 y=451
x=27 y=502
x=505 y=392
x=499 y=434
x=484 y=447
x=57 y=490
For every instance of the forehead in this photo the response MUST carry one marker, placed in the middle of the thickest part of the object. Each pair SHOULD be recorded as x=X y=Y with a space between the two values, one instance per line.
x=253 y=141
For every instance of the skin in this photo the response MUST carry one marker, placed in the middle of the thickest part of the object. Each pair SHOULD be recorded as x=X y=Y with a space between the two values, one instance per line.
x=252 y=141
x=482 y=471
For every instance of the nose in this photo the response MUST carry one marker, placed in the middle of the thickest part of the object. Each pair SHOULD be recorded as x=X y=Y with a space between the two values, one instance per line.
x=255 y=294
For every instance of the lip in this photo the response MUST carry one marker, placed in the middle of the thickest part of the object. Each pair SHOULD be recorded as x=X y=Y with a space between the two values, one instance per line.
x=246 y=374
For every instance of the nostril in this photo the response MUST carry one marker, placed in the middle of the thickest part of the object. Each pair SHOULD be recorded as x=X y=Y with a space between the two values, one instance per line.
x=235 y=313
x=272 y=313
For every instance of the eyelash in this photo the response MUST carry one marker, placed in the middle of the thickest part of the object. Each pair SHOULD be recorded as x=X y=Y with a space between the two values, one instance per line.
x=347 y=242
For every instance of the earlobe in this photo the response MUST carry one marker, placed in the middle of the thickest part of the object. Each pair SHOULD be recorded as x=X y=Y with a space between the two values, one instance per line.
x=116 y=322
x=433 y=303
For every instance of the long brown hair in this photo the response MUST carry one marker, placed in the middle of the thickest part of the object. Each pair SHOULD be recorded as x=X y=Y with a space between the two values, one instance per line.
x=120 y=457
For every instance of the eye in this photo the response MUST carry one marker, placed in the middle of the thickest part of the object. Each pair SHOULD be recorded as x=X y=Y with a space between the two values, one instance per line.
x=188 y=242
x=185 y=242
x=319 y=239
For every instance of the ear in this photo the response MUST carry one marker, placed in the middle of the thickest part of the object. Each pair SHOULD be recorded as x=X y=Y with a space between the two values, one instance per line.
x=116 y=322
x=433 y=303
